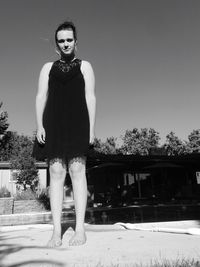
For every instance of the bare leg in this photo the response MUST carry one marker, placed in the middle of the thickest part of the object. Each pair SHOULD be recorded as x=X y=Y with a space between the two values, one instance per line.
x=79 y=183
x=57 y=178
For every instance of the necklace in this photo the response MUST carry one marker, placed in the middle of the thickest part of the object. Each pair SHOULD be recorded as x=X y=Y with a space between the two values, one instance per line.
x=66 y=66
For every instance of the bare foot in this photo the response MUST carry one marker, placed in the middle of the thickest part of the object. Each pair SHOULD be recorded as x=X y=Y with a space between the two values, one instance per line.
x=55 y=241
x=79 y=238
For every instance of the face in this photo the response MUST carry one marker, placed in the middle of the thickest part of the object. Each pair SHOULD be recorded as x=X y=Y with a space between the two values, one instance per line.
x=66 y=42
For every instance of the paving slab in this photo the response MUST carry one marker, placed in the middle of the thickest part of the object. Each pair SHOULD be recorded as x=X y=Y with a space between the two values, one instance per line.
x=107 y=245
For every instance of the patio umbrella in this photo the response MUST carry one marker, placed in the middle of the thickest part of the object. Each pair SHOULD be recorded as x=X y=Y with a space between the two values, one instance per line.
x=108 y=164
x=162 y=165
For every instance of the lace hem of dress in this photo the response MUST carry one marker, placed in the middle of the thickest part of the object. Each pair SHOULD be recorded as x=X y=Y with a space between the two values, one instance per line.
x=67 y=66
x=69 y=161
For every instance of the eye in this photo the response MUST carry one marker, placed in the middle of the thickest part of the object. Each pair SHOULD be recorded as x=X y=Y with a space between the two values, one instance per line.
x=69 y=40
x=61 y=41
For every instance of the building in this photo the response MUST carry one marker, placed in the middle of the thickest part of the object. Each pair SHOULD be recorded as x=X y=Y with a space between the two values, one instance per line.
x=8 y=177
x=133 y=178
x=128 y=178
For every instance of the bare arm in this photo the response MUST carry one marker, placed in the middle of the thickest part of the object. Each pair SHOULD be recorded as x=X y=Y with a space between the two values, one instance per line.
x=89 y=78
x=41 y=98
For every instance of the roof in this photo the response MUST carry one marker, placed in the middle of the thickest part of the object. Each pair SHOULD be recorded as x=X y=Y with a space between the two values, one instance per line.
x=130 y=161
x=137 y=161
x=7 y=165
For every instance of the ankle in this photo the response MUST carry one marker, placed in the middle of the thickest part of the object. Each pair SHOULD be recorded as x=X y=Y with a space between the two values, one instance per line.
x=80 y=229
x=57 y=232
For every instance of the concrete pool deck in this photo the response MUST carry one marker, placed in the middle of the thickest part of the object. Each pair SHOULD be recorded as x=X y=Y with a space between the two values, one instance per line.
x=107 y=245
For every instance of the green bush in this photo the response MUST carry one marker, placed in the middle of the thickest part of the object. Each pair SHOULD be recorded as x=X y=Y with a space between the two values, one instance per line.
x=25 y=195
x=44 y=199
x=4 y=192
x=28 y=194
x=24 y=164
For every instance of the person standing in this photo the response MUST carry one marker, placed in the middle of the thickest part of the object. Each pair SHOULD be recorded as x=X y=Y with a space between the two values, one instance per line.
x=65 y=114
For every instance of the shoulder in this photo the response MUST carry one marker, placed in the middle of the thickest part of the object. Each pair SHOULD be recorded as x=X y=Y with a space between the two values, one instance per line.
x=86 y=67
x=85 y=64
x=46 y=68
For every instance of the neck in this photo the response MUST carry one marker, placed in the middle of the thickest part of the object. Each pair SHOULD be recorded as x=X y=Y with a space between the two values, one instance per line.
x=67 y=58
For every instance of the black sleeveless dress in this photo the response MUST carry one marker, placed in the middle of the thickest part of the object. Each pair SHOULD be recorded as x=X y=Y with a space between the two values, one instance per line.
x=65 y=117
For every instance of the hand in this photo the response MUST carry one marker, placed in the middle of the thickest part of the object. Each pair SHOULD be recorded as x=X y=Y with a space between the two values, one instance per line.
x=41 y=135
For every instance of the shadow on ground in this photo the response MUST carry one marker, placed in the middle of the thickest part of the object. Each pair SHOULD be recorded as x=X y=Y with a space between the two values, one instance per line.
x=66 y=227
x=8 y=249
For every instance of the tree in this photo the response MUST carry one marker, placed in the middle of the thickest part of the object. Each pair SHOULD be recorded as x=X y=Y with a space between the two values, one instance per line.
x=3 y=121
x=139 y=142
x=12 y=145
x=111 y=146
x=193 y=146
x=18 y=150
x=107 y=147
x=6 y=147
x=174 y=145
x=97 y=144
x=27 y=173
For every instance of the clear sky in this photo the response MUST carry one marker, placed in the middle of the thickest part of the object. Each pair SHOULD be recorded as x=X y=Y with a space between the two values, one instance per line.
x=145 y=54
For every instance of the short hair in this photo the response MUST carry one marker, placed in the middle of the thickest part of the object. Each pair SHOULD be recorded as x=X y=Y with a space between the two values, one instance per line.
x=66 y=26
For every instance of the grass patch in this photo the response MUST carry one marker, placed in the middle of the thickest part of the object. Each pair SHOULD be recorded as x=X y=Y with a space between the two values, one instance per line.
x=162 y=263
x=172 y=263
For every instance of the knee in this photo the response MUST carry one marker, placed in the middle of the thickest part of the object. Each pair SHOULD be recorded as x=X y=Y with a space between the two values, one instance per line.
x=57 y=171
x=76 y=170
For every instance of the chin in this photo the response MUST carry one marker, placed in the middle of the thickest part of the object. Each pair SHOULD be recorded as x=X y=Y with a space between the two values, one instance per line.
x=68 y=52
